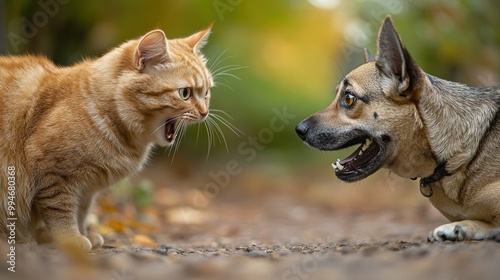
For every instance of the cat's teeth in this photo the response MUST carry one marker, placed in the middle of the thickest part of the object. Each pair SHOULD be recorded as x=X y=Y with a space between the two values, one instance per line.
x=170 y=130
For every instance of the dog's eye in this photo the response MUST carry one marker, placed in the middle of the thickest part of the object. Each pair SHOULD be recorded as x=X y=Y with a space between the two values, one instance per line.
x=349 y=99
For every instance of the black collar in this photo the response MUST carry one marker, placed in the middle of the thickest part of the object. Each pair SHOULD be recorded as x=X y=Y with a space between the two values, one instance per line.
x=425 y=183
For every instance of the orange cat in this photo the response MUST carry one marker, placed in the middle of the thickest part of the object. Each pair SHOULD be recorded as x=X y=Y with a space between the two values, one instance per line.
x=68 y=132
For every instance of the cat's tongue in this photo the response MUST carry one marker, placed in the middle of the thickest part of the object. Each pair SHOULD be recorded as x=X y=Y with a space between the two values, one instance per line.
x=170 y=130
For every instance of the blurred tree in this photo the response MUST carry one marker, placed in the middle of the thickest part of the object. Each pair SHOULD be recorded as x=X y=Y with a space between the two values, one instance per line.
x=294 y=51
x=3 y=35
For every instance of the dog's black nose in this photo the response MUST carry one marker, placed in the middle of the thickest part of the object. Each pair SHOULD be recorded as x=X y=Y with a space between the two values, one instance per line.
x=301 y=130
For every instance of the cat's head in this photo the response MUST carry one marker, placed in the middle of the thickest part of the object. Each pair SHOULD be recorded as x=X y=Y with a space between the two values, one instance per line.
x=167 y=84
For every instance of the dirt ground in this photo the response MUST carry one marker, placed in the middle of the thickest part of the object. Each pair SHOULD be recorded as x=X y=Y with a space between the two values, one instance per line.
x=314 y=229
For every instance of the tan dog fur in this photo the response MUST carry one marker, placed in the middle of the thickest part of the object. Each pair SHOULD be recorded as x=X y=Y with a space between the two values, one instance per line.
x=419 y=122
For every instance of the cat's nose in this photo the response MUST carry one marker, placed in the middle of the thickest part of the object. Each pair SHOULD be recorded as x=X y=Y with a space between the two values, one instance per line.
x=301 y=129
x=203 y=114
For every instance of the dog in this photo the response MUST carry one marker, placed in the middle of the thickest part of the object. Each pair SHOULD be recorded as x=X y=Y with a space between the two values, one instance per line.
x=417 y=126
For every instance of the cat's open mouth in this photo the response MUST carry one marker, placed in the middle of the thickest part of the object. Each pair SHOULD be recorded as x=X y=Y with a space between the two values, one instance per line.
x=170 y=130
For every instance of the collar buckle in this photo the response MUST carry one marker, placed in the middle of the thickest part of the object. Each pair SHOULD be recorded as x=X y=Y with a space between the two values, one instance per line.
x=425 y=183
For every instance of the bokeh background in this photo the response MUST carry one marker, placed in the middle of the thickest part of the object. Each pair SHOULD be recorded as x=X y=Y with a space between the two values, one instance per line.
x=284 y=55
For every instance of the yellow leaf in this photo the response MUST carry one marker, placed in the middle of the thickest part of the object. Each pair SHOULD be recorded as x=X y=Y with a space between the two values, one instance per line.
x=141 y=239
x=116 y=225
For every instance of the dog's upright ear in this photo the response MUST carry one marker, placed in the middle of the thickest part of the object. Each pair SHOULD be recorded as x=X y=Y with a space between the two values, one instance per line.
x=394 y=61
x=368 y=56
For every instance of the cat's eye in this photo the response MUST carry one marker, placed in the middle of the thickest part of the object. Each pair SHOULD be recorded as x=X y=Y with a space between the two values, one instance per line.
x=349 y=99
x=185 y=93
x=207 y=93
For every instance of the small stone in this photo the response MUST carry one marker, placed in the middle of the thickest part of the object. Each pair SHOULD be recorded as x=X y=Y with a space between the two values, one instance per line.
x=415 y=252
x=213 y=254
x=284 y=252
x=257 y=254
x=368 y=251
x=163 y=250
x=346 y=249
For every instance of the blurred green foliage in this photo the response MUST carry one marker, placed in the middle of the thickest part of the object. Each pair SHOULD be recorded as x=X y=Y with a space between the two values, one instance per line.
x=141 y=193
x=294 y=51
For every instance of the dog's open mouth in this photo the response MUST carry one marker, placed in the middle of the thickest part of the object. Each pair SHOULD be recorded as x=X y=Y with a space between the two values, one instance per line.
x=362 y=162
x=170 y=130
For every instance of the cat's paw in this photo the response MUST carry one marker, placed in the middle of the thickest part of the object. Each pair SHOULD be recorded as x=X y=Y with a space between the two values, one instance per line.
x=95 y=239
x=75 y=243
x=43 y=236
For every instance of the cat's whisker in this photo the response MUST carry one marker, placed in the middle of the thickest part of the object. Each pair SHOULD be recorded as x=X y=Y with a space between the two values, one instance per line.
x=223 y=84
x=213 y=64
x=227 y=123
x=182 y=131
x=223 y=112
x=198 y=127
x=167 y=122
x=219 y=133
x=226 y=69
x=179 y=133
x=215 y=130
x=170 y=148
x=230 y=67
x=209 y=136
x=227 y=74
x=170 y=152
x=213 y=133
x=157 y=129
x=211 y=61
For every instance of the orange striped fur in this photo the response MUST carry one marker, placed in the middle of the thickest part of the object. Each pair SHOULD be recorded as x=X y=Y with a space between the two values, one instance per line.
x=68 y=132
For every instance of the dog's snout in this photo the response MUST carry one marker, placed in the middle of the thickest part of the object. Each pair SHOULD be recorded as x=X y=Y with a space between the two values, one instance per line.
x=301 y=130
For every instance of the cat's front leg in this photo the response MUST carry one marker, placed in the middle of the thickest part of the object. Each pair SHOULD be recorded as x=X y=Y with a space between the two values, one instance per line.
x=58 y=208
x=86 y=204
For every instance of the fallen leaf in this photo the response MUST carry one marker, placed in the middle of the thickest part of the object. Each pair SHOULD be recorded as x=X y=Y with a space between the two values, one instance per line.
x=143 y=240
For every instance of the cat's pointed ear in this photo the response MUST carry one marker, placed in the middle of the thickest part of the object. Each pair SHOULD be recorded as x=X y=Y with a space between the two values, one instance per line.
x=151 y=50
x=198 y=40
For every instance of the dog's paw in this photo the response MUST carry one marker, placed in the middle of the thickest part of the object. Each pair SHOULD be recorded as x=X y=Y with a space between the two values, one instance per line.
x=451 y=232
x=463 y=230
x=494 y=235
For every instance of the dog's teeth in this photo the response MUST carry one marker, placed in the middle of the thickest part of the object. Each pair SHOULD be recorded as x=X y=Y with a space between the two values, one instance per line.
x=337 y=166
x=334 y=165
x=361 y=152
x=367 y=144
